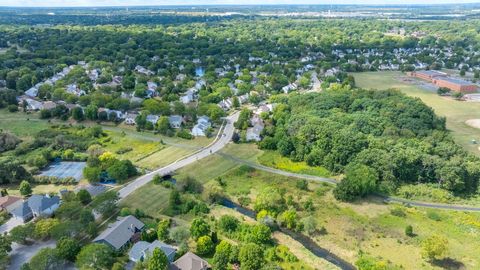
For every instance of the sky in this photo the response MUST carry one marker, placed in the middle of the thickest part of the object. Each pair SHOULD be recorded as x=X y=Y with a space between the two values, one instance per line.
x=76 y=3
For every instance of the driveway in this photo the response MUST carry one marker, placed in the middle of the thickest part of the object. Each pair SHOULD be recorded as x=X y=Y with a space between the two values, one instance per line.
x=9 y=225
x=21 y=254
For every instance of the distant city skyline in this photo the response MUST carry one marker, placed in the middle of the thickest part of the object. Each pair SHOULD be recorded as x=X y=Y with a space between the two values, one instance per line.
x=87 y=3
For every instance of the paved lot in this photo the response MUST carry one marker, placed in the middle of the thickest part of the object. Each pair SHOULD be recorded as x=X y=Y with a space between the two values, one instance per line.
x=65 y=169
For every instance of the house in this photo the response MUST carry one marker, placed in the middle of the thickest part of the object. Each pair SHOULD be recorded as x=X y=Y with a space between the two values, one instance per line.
x=190 y=261
x=144 y=71
x=152 y=118
x=188 y=97
x=290 y=87
x=141 y=250
x=254 y=133
x=8 y=203
x=73 y=89
x=125 y=230
x=43 y=205
x=151 y=89
x=32 y=105
x=32 y=92
x=175 y=121
x=36 y=206
x=22 y=212
x=203 y=123
x=49 y=105
x=130 y=118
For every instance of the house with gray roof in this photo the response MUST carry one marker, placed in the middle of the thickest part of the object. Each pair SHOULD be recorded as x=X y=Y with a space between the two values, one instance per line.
x=22 y=212
x=190 y=261
x=43 y=205
x=125 y=230
x=203 y=123
x=36 y=206
x=175 y=121
x=141 y=250
x=152 y=119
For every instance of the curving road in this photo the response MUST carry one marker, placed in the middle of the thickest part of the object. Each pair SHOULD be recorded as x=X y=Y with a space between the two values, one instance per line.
x=223 y=138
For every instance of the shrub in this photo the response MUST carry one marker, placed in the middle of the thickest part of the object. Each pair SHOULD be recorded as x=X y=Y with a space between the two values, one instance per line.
x=433 y=215
x=409 y=231
x=398 y=211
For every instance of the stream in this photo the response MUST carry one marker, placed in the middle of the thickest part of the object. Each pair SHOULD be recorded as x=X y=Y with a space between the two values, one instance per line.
x=302 y=239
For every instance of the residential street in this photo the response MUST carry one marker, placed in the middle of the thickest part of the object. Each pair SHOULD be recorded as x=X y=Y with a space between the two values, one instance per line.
x=21 y=254
x=223 y=139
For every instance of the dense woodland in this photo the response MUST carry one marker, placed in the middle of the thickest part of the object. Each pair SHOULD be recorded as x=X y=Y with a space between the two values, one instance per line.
x=382 y=137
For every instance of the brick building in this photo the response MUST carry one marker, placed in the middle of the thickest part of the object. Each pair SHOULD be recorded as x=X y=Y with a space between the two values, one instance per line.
x=441 y=79
x=456 y=85
x=428 y=75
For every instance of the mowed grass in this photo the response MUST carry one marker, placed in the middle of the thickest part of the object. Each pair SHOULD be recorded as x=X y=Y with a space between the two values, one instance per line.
x=151 y=199
x=21 y=124
x=456 y=112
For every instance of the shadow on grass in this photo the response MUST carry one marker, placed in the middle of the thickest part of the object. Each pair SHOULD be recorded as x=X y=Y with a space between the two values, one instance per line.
x=449 y=263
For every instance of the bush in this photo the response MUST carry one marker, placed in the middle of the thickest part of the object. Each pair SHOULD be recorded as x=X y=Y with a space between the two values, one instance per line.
x=12 y=108
x=409 y=231
x=184 y=134
x=205 y=245
x=433 y=215
x=398 y=211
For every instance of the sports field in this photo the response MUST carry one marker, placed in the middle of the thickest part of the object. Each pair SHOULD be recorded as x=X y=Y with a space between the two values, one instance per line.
x=456 y=112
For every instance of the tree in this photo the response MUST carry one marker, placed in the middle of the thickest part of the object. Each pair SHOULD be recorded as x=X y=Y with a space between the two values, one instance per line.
x=92 y=174
x=84 y=196
x=25 y=188
x=20 y=234
x=205 y=245
x=251 y=257
x=309 y=225
x=95 y=256
x=179 y=234
x=91 y=112
x=77 y=114
x=162 y=229
x=163 y=125
x=118 y=266
x=5 y=248
x=68 y=248
x=260 y=234
x=289 y=219
x=199 y=228
x=360 y=180
x=228 y=223
x=409 y=231
x=223 y=254
x=269 y=199
x=44 y=227
x=46 y=259
x=157 y=261
x=434 y=247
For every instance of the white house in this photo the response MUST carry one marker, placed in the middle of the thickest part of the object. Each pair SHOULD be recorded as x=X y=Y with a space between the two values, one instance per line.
x=130 y=118
x=203 y=123
x=175 y=121
x=152 y=118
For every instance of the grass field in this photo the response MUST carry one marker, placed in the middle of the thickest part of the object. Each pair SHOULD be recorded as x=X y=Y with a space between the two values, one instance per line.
x=275 y=160
x=456 y=112
x=21 y=124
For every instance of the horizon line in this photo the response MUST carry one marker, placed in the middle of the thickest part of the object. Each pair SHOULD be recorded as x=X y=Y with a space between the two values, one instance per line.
x=213 y=5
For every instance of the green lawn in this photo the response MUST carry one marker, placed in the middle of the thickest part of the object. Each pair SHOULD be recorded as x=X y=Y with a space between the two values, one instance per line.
x=275 y=160
x=21 y=124
x=151 y=199
x=456 y=112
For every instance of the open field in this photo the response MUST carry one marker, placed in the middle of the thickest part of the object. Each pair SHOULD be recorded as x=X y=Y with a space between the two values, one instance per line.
x=456 y=112
x=21 y=124
x=275 y=160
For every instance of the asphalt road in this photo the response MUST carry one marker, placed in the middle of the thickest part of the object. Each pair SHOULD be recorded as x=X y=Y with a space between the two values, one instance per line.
x=223 y=138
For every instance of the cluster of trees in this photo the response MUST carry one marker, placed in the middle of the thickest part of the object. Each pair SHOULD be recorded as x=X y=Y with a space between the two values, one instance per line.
x=380 y=139
x=104 y=166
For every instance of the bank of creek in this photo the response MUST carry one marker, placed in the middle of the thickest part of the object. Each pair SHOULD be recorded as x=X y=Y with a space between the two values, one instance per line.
x=302 y=239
